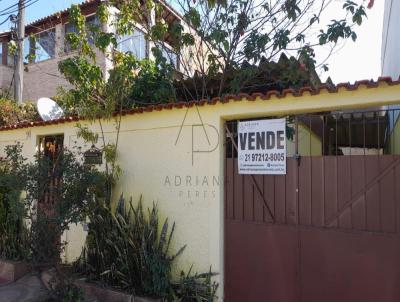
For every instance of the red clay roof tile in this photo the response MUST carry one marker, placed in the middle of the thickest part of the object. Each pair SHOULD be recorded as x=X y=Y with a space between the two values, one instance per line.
x=226 y=99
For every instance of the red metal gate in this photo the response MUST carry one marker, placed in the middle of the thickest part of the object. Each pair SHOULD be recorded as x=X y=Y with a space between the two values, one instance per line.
x=326 y=231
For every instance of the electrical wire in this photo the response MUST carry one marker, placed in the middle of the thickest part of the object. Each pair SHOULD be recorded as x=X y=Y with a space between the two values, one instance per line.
x=14 y=8
x=8 y=8
x=6 y=19
x=9 y=11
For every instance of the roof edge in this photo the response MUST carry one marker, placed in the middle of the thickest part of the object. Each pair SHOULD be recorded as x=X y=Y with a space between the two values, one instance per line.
x=370 y=84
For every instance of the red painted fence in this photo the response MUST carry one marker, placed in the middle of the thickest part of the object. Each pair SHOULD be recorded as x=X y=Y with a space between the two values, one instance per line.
x=332 y=234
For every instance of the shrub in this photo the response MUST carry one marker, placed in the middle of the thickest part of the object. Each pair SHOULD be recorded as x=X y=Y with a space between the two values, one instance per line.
x=13 y=232
x=126 y=250
x=63 y=289
x=65 y=190
x=12 y=113
x=194 y=288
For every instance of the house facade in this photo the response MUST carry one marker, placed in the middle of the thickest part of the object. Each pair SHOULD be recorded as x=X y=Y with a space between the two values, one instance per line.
x=326 y=230
x=390 y=57
x=41 y=75
x=390 y=52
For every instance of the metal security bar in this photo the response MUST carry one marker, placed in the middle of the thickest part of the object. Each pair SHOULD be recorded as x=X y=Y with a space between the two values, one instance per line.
x=366 y=132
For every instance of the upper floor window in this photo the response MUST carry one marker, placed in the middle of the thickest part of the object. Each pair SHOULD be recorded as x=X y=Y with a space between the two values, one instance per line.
x=168 y=54
x=10 y=57
x=134 y=43
x=68 y=28
x=5 y=59
x=43 y=45
x=27 y=50
x=10 y=60
x=92 y=22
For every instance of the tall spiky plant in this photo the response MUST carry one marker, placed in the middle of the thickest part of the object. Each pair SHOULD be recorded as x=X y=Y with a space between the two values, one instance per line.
x=126 y=250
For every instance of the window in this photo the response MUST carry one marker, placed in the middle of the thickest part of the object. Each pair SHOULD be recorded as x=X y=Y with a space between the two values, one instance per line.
x=134 y=43
x=68 y=28
x=10 y=59
x=27 y=50
x=45 y=45
x=5 y=59
x=170 y=55
x=92 y=22
x=51 y=149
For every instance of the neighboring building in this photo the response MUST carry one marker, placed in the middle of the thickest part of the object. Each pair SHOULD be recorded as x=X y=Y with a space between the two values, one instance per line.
x=42 y=78
x=390 y=57
x=6 y=72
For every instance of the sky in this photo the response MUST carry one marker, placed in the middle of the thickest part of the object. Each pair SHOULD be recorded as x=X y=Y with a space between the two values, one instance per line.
x=350 y=62
x=358 y=60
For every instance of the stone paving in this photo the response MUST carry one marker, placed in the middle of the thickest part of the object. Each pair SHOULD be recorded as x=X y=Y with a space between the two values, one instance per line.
x=26 y=289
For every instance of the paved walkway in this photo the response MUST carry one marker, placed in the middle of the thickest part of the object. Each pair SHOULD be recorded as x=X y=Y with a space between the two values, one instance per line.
x=26 y=289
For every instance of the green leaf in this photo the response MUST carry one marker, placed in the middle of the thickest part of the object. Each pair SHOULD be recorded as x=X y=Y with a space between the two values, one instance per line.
x=226 y=45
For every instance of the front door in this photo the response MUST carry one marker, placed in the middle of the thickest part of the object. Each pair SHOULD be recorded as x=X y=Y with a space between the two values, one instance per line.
x=50 y=150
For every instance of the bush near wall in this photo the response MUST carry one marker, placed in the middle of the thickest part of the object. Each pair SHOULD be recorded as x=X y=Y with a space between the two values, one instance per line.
x=11 y=113
x=129 y=249
x=49 y=208
x=13 y=233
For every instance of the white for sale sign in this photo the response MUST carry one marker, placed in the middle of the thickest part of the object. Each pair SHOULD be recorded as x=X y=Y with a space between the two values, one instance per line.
x=262 y=147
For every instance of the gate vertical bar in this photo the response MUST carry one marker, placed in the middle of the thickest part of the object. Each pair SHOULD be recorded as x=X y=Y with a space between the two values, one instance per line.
x=298 y=207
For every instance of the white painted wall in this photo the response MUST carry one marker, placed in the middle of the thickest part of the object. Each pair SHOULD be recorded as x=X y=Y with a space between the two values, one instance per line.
x=391 y=39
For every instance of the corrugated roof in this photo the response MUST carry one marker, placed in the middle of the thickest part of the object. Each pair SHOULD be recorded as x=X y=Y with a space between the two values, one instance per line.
x=51 y=16
x=82 y=4
x=64 y=11
x=226 y=99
